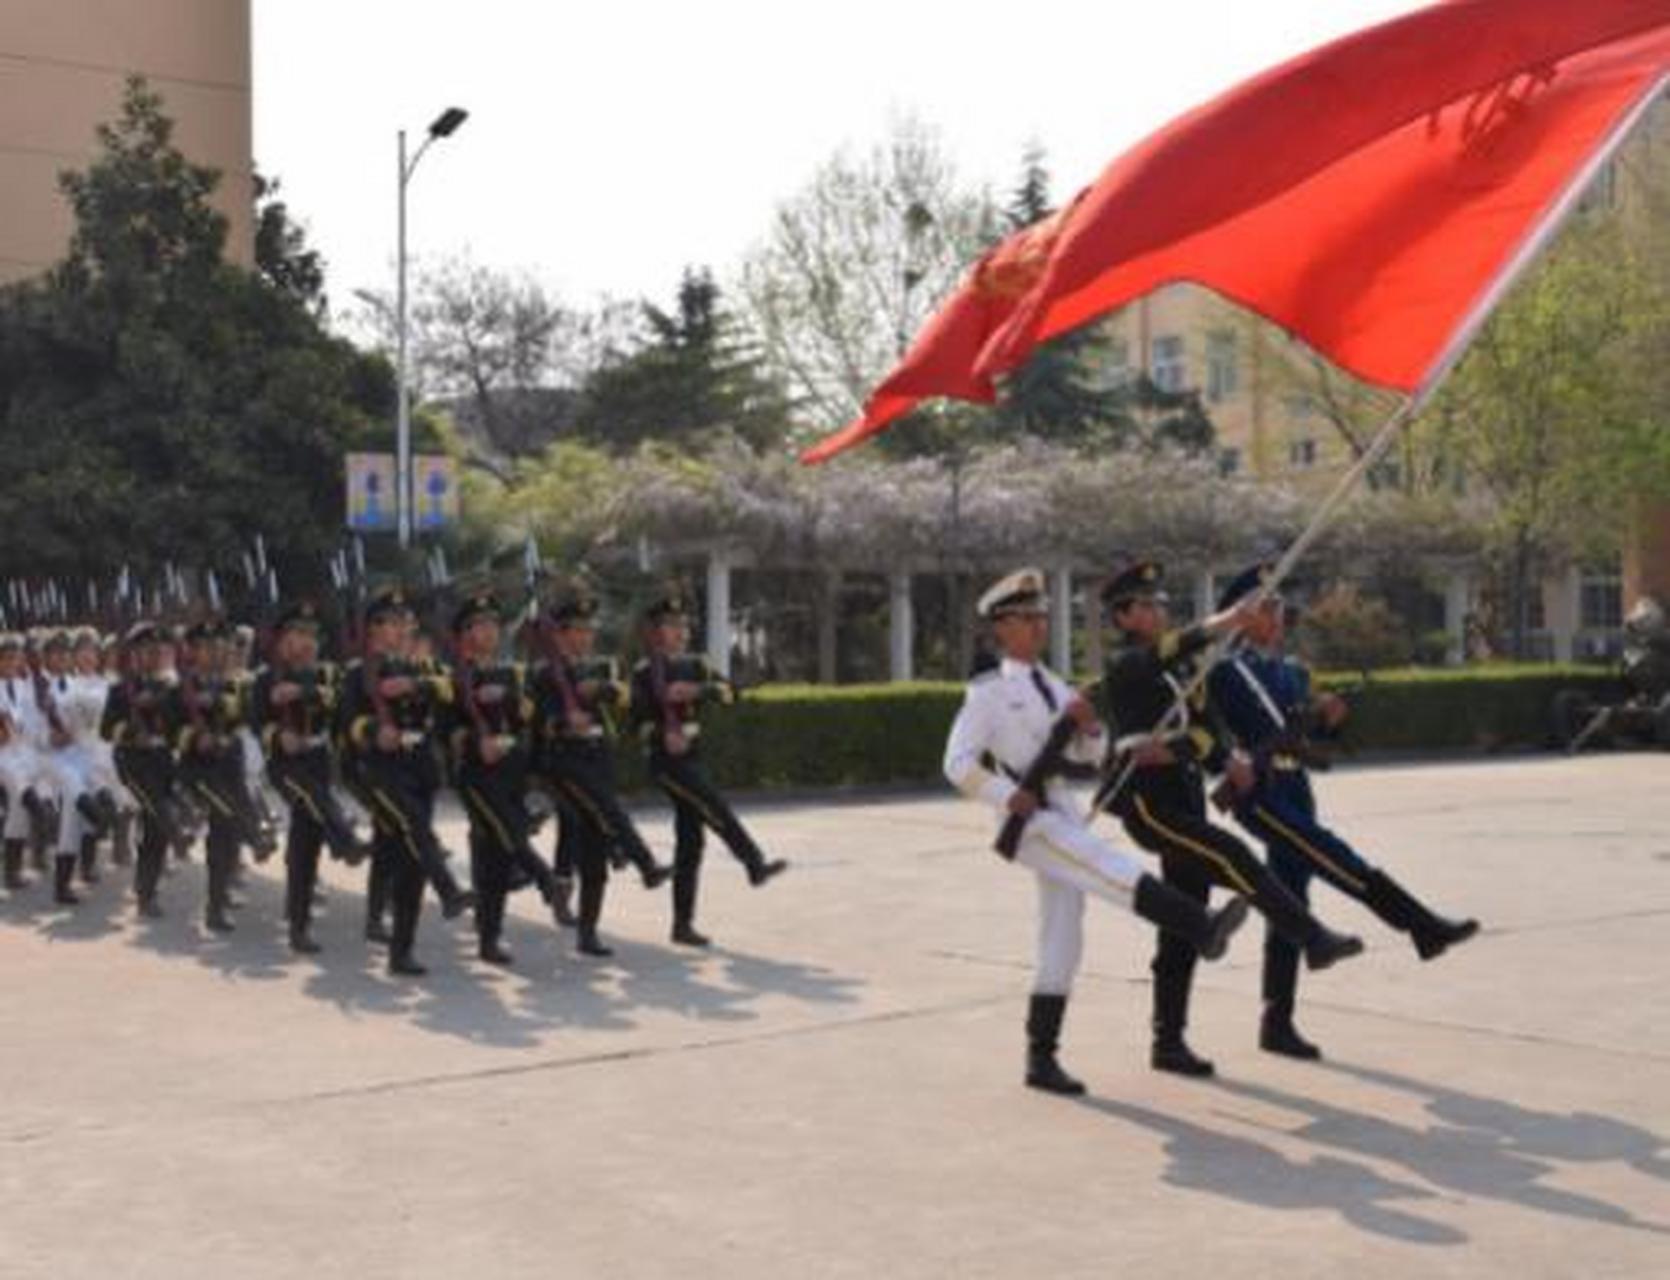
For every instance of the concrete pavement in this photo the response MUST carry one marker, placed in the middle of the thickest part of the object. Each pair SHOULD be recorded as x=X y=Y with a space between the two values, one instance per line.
x=834 y=1091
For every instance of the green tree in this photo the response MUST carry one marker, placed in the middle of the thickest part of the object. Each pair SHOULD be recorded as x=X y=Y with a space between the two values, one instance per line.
x=159 y=404
x=690 y=377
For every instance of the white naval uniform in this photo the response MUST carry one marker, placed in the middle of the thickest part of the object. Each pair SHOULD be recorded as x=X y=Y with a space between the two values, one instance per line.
x=22 y=763
x=1005 y=714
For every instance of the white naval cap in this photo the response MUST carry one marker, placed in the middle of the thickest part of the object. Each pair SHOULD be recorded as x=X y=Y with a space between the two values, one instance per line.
x=1021 y=592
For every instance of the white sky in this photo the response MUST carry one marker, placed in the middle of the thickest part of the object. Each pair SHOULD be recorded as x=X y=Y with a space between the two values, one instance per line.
x=611 y=144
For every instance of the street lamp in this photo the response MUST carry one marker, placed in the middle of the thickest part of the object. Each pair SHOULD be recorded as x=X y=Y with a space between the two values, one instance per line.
x=444 y=125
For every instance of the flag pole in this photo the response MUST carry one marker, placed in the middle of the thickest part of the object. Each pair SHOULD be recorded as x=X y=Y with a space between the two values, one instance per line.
x=1535 y=241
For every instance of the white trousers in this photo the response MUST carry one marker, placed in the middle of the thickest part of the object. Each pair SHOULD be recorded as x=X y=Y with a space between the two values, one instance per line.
x=1070 y=861
x=20 y=769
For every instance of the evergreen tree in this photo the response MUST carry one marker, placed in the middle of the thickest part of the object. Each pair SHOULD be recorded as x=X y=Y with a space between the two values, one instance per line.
x=690 y=378
x=159 y=404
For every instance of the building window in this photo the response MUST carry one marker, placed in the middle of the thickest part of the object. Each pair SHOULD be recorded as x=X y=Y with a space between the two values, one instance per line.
x=1229 y=461
x=1118 y=366
x=1169 y=372
x=1301 y=454
x=1222 y=373
x=1601 y=606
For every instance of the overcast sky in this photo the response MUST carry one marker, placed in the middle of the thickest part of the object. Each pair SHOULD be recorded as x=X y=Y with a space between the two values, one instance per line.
x=611 y=144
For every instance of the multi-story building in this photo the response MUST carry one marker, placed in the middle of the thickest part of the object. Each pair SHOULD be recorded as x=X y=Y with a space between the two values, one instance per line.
x=63 y=67
x=1273 y=422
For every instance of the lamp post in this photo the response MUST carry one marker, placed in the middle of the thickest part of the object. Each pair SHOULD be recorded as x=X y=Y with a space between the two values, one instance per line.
x=442 y=126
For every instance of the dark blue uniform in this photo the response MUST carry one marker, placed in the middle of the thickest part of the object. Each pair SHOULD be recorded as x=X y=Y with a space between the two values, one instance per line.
x=1264 y=701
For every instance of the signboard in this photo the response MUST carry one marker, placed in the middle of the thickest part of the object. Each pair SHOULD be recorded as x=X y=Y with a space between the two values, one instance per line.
x=434 y=492
x=373 y=505
x=371 y=497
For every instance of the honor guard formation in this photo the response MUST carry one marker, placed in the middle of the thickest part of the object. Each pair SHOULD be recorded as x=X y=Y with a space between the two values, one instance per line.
x=1174 y=706
x=166 y=735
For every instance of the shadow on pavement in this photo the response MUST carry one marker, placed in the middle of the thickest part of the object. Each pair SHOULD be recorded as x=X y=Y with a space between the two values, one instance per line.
x=1249 y=1172
x=549 y=988
x=1474 y=1161
x=1581 y=1137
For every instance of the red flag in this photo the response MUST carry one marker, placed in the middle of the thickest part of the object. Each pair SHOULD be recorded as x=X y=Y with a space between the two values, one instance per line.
x=941 y=360
x=1364 y=196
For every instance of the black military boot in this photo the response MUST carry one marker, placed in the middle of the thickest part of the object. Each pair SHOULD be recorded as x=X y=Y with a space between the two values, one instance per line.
x=489 y=919
x=1432 y=934
x=402 y=965
x=121 y=844
x=1276 y=1032
x=1173 y=978
x=1324 y=947
x=63 y=876
x=763 y=870
x=13 y=855
x=89 y=860
x=94 y=814
x=301 y=941
x=1043 y=1034
x=1209 y=931
x=684 y=933
x=592 y=889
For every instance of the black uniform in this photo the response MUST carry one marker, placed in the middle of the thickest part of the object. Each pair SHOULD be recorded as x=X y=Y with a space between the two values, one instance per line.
x=302 y=775
x=489 y=703
x=579 y=763
x=208 y=712
x=1163 y=808
x=399 y=786
x=139 y=722
x=696 y=803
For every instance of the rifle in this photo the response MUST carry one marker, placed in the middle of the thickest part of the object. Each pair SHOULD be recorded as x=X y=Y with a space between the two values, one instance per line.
x=1048 y=762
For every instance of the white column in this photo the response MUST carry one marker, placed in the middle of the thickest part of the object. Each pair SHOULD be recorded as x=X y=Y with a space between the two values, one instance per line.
x=1061 y=620
x=901 y=627
x=1561 y=603
x=1458 y=603
x=719 y=611
x=1206 y=595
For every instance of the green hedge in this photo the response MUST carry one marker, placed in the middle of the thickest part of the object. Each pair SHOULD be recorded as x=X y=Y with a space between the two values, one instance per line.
x=793 y=736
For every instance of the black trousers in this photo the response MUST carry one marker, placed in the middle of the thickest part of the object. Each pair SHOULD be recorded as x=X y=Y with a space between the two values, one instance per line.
x=400 y=788
x=697 y=807
x=148 y=772
x=495 y=798
x=1165 y=813
x=582 y=776
x=581 y=853
x=218 y=784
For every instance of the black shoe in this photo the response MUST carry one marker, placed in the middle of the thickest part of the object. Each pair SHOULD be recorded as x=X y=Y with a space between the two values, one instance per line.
x=357 y=853
x=761 y=872
x=1224 y=922
x=1328 y=948
x=149 y=909
x=1175 y=1056
x=686 y=936
x=656 y=875
x=405 y=967
x=302 y=944
x=1278 y=1035
x=493 y=953
x=64 y=896
x=1433 y=939
x=216 y=922
x=1043 y=1072
x=458 y=904
x=588 y=945
x=377 y=933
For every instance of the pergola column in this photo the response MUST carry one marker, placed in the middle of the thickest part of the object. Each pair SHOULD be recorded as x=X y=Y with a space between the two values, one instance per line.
x=829 y=610
x=1458 y=604
x=719 y=611
x=901 y=627
x=1061 y=620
